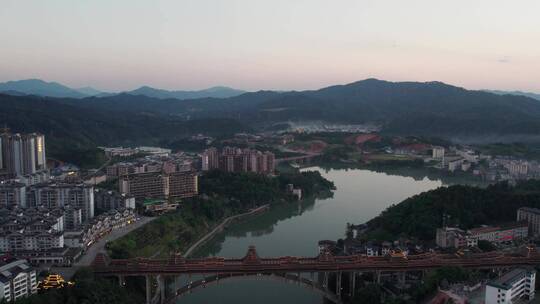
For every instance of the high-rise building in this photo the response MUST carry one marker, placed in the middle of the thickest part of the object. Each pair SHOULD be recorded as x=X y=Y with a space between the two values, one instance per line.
x=22 y=154
x=238 y=160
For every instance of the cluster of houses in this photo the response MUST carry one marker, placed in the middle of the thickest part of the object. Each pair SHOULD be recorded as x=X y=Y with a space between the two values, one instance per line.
x=527 y=224
x=454 y=159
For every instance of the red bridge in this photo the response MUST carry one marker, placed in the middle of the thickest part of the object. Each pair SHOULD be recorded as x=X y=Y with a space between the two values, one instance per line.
x=324 y=264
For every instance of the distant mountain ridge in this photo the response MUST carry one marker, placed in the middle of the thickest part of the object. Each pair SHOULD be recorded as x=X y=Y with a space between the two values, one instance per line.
x=89 y=91
x=215 y=92
x=401 y=108
x=53 y=89
x=40 y=88
x=519 y=93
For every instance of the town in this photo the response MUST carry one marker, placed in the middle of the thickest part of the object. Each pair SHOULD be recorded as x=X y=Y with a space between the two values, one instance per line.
x=64 y=216
x=53 y=217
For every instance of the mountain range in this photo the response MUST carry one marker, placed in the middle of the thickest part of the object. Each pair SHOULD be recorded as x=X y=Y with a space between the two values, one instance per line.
x=520 y=93
x=40 y=88
x=401 y=108
x=216 y=92
x=53 y=89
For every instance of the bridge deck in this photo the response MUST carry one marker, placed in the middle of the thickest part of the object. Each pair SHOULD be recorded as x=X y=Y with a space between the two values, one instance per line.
x=253 y=264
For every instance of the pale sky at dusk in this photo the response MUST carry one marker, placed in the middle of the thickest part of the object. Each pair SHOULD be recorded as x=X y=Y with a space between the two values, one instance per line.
x=280 y=44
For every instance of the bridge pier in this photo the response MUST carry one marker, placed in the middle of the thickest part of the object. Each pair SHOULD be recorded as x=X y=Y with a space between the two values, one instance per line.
x=338 y=284
x=402 y=277
x=162 y=287
x=121 y=280
x=148 y=290
x=378 y=275
x=353 y=284
x=325 y=280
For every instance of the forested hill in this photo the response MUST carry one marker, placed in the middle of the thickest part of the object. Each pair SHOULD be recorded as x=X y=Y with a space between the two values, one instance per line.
x=407 y=108
x=404 y=108
x=67 y=124
x=465 y=206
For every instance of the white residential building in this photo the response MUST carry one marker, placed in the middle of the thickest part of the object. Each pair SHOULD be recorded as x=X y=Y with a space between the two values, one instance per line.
x=17 y=280
x=532 y=216
x=516 y=284
x=438 y=152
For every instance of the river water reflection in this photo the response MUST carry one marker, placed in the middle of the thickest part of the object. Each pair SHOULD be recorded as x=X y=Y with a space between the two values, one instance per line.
x=295 y=230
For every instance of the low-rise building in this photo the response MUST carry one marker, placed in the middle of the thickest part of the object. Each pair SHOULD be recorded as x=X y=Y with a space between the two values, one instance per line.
x=158 y=206
x=454 y=163
x=36 y=234
x=504 y=233
x=452 y=237
x=17 y=280
x=100 y=226
x=513 y=285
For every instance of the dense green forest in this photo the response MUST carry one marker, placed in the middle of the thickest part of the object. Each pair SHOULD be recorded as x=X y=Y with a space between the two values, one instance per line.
x=222 y=194
x=465 y=206
x=73 y=132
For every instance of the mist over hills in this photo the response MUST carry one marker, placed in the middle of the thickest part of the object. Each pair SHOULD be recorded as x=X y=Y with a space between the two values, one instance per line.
x=401 y=108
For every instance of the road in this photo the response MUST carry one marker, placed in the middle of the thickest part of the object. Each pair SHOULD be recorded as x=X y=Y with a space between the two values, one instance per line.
x=99 y=246
x=88 y=257
x=220 y=228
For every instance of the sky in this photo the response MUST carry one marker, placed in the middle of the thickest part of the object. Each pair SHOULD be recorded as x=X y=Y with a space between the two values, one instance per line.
x=117 y=45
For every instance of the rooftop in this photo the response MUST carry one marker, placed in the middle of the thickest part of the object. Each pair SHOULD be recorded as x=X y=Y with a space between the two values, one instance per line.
x=508 y=279
x=529 y=209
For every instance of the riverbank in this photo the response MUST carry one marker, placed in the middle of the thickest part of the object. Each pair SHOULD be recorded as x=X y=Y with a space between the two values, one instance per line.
x=219 y=228
x=223 y=195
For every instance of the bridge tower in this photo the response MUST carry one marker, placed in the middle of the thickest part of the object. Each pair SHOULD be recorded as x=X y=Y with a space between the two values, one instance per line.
x=251 y=256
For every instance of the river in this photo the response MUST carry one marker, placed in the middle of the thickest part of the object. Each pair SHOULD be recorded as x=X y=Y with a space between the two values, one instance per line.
x=295 y=230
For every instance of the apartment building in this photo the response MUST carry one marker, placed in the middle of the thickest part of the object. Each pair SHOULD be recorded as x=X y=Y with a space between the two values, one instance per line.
x=159 y=185
x=60 y=195
x=232 y=159
x=144 y=185
x=183 y=184
x=12 y=194
x=17 y=280
x=532 y=217
x=517 y=284
x=109 y=200
x=22 y=154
